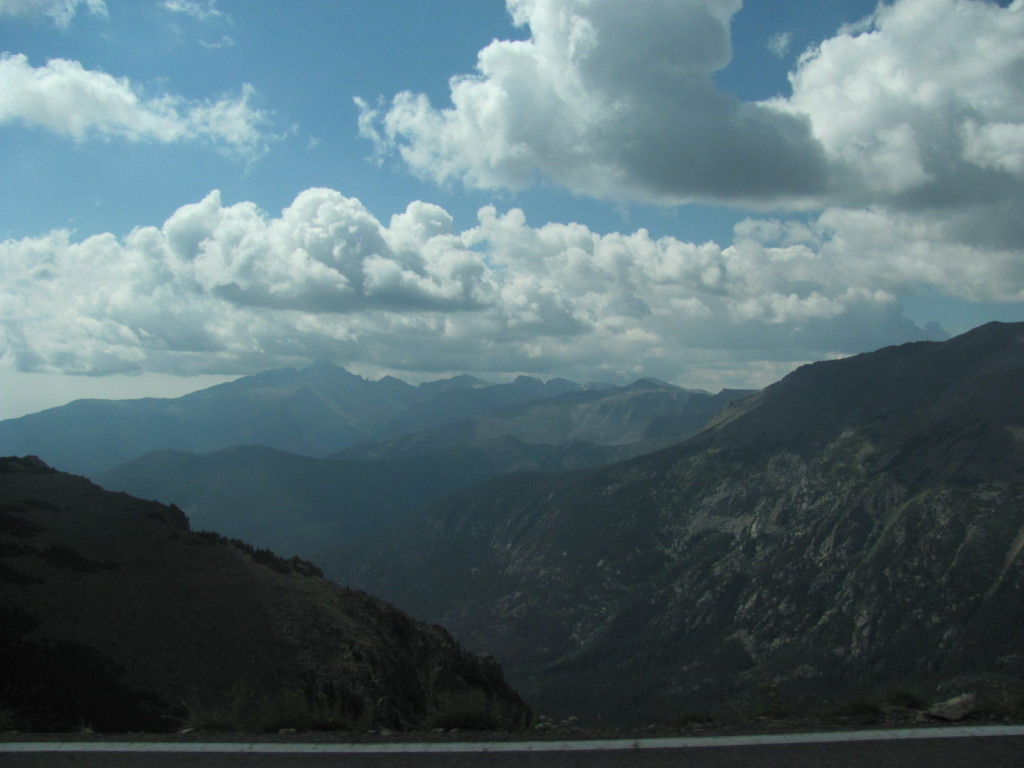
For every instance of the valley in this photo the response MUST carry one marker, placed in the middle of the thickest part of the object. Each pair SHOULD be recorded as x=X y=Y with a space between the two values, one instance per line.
x=630 y=555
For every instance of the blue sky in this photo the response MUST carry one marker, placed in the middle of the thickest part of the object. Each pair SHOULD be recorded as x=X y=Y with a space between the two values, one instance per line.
x=707 y=191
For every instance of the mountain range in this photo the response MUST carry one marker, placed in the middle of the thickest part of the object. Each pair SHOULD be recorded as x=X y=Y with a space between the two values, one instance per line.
x=631 y=554
x=115 y=616
x=853 y=531
x=308 y=506
x=314 y=411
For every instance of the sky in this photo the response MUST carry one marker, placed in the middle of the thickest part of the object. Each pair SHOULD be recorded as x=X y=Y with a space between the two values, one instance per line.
x=710 y=192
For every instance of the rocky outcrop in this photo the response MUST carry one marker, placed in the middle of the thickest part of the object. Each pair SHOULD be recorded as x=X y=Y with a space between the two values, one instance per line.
x=956 y=708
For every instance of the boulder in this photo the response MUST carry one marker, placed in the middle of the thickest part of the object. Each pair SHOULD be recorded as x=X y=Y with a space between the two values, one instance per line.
x=956 y=708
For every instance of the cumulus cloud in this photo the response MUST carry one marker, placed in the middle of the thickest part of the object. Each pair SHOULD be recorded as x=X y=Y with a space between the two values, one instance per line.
x=61 y=12
x=203 y=10
x=69 y=100
x=902 y=140
x=227 y=288
x=611 y=99
x=924 y=107
x=919 y=106
x=903 y=133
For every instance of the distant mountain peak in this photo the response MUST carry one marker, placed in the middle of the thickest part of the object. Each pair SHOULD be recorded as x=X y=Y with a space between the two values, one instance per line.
x=649 y=382
x=527 y=381
x=465 y=380
x=327 y=368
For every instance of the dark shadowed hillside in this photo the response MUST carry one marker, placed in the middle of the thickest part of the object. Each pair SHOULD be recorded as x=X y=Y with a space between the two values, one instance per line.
x=855 y=530
x=117 y=617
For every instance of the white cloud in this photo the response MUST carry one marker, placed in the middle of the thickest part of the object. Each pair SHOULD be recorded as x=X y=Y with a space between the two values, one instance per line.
x=69 y=100
x=920 y=110
x=904 y=135
x=922 y=107
x=904 y=132
x=779 y=43
x=996 y=146
x=61 y=12
x=918 y=106
x=226 y=41
x=610 y=99
x=203 y=10
x=227 y=288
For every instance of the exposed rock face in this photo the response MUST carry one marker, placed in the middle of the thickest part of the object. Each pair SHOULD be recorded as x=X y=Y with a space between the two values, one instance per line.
x=956 y=708
x=854 y=529
x=118 y=616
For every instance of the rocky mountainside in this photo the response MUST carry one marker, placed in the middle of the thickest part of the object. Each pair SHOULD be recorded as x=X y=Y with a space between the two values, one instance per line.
x=314 y=411
x=116 y=616
x=853 y=530
x=306 y=506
